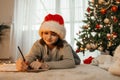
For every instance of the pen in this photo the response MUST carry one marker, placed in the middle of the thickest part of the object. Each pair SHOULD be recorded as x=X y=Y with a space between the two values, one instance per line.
x=23 y=57
x=21 y=53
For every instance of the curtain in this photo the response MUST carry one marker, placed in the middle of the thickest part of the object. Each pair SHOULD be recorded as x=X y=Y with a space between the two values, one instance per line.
x=28 y=15
x=24 y=21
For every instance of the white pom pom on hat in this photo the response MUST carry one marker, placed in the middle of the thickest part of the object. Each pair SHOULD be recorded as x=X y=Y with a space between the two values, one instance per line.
x=54 y=23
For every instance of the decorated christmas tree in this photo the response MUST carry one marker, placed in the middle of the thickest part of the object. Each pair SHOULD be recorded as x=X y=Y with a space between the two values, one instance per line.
x=102 y=27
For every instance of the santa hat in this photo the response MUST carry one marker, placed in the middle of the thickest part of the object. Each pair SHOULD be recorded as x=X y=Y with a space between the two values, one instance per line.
x=55 y=23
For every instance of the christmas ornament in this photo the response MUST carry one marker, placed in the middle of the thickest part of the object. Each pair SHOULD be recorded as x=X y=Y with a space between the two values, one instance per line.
x=109 y=43
x=92 y=17
x=114 y=35
x=88 y=46
x=114 y=8
x=93 y=46
x=101 y=1
x=100 y=48
x=85 y=27
x=88 y=10
x=92 y=1
x=106 y=20
x=81 y=48
x=111 y=36
x=103 y=10
x=108 y=2
x=118 y=1
x=108 y=36
x=98 y=26
x=93 y=33
x=115 y=19
x=77 y=51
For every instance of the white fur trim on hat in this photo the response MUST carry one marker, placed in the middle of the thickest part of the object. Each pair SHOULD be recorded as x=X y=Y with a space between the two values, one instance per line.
x=53 y=26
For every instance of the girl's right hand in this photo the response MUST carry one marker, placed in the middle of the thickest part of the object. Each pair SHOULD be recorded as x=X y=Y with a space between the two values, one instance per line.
x=21 y=65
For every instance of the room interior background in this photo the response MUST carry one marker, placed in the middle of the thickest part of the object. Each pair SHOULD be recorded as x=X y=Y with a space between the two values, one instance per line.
x=6 y=15
x=27 y=15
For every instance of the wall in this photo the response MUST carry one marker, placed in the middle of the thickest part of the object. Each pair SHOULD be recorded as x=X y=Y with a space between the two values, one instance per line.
x=6 y=14
x=6 y=11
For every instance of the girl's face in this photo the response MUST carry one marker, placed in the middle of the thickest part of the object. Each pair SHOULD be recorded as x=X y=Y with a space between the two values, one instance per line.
x=50 y=37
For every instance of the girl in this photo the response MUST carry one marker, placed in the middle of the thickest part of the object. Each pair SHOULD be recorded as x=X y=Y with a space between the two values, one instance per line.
x=51 y=51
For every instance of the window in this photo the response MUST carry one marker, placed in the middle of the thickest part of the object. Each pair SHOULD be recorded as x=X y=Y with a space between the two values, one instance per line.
x=71 y=10
x=28 y=15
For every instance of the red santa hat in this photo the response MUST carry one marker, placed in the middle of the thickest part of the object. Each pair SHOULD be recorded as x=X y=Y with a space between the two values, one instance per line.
x=55 y=23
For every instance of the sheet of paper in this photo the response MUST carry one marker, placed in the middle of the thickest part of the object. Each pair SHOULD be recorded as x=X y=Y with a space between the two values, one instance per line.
x=8 y=67
x=12 y=68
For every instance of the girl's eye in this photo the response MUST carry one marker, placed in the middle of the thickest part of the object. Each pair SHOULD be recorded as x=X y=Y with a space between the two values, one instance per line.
x=54 y=34
x=50 y=33
x=45 y=32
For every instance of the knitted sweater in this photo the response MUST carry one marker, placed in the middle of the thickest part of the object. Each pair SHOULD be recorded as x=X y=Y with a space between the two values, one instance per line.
x=55 y=58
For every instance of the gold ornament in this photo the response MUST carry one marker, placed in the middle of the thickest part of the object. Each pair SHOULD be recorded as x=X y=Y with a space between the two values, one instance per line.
x=81 y=49
x=92 y=1
x=85 y=26
x=93 y=46
x=88 y=46
x=100 y=48
x=101 y=1
x=106 y=20
x=110 y=44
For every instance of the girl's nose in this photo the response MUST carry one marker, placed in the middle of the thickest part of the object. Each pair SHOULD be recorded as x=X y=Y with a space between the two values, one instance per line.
x=49 y=36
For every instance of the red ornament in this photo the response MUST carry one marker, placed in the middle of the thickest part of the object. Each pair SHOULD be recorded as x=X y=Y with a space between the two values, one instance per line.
x=114 y=8
x=108 y=36
x=77 y=51
x=115 y=19
x=103 y=10
x=114 y=34
x=118 y=0
x=88 y=9
x=98 y=26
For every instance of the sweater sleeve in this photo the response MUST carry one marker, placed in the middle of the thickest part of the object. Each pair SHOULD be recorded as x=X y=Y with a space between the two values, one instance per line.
x=66 y=62
x=34 y=51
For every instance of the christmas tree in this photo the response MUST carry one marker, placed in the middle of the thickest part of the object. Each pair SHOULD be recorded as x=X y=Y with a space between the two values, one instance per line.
x=102 y=27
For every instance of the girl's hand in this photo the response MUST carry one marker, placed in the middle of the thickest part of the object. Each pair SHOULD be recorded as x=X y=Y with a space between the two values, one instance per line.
x=21 y=65
x=36 y=64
